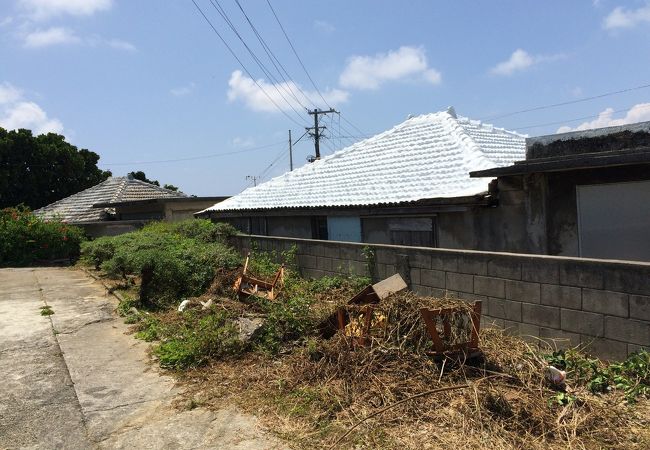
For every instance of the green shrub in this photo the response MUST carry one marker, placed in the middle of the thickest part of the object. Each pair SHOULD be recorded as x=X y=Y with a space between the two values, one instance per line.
x=196 y=339
x=200 y=229
x=26 y=238
x=631 y=376
x=172 y=260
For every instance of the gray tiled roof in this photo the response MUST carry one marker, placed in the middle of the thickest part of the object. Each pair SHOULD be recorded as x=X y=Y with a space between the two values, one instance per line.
x=78 y=208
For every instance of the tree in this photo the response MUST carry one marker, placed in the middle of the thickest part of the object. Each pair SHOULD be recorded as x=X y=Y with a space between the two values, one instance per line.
x=140 y=175
x=39 y=170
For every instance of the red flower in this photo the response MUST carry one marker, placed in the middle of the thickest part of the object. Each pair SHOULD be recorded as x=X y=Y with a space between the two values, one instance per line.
x=65 y=238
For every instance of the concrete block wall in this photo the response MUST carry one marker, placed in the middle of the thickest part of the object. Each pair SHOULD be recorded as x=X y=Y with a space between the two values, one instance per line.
x=601 y=304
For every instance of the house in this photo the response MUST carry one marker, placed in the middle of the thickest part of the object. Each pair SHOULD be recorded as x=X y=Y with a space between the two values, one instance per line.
x=409 y=185
x=121 y=204
x=583 y=193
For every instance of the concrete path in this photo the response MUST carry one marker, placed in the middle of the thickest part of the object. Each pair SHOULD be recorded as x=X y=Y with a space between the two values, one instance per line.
x=76 y=380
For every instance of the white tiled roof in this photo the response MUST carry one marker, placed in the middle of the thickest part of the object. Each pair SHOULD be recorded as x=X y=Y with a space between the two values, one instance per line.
x=78 y=208
x=428 y=156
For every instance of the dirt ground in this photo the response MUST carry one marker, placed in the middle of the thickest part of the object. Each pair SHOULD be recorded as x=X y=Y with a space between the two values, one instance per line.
x=75 y=379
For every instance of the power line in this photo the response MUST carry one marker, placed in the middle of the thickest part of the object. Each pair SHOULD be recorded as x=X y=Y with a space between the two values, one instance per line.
x=571 y=102
x=304 y=68
x=296 y=54
x=275 y=61
x=275 y=83
x=576 y=119
x=193 y=158
x=242 y=64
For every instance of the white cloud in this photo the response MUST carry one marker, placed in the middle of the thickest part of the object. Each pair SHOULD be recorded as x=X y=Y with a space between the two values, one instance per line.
x=49 y=37
x=45 y=9
x=9 y=94
x=243 y=88
x=627 y=18
x=64 y=36
x=16 y=112
x=119 y=44
x=638 y=113
x=243 y=142
x=521 y=60
x=369 y=72
x=324 y=26
x=182 y=90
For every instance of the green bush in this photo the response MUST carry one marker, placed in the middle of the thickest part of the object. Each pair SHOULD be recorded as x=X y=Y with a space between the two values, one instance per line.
x=200 y=229
x=196 y=339
x=173 y=260
x=26 y=238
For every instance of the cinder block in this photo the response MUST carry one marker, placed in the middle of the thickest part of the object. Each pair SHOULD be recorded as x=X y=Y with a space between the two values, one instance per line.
x=559 y=338
x=582 y=274
x=492 y=287
x=460 y=282
x=323 y=263
x=444 y=261
x=473 y=298
x=511 y=328
x=433 y=278
x=475 y=264
x=351 y=253
x=339 y=266
x=605 y=302
x=415 y=276
x=627 y=330
x=504 y=309
x=438 y=293
x=582 y=322
x=420 y=258
x=505 y=267
x=385 y=255
x=604 y=348
x=492 y=322
x=529 y=332
x=523 y=291
x=331 y=251
x=633 y=348
x=563 y=296
x=308 y=261
x=358 y=268
x=627 y=277
x=317 y=249
x=422 y=291
x=545 y=316
x=540 y=270
x=639 y=307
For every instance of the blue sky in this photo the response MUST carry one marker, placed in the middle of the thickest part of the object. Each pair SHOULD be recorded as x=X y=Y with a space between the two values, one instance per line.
x=141 y=80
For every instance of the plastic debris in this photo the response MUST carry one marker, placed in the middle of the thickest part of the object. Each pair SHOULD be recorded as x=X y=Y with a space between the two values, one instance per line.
x=555 y=375
x=183 y=305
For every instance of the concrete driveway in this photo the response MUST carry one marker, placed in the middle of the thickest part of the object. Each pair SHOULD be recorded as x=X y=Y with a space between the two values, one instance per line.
x=75 y=380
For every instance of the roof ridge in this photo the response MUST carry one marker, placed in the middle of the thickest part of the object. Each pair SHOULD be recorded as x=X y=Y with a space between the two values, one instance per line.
x=473 y=154
x=88 y=189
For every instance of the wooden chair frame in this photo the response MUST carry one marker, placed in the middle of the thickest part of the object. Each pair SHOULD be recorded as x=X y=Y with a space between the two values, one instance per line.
x=429 y=316
x=247 y=285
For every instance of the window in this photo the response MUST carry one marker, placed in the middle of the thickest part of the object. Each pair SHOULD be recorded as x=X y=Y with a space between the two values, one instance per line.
x=413 y=231
x=257 y=225
x=319 y=228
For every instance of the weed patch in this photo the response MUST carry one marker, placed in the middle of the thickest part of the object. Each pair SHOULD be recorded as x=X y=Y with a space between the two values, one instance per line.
x=46 y=310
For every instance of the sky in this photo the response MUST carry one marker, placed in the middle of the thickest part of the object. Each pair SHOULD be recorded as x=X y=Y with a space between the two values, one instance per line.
x=149 y=85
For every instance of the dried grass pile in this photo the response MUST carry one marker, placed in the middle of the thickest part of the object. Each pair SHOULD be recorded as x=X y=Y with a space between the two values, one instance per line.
x=321 y=388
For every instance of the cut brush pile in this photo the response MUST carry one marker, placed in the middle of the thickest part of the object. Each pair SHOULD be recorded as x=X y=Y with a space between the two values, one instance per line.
x=310 y=383
x=320 y=389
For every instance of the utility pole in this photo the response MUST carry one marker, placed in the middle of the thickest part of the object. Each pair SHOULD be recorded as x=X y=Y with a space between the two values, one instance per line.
x=290 y=153
x=315 y=131
x=252 y=177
